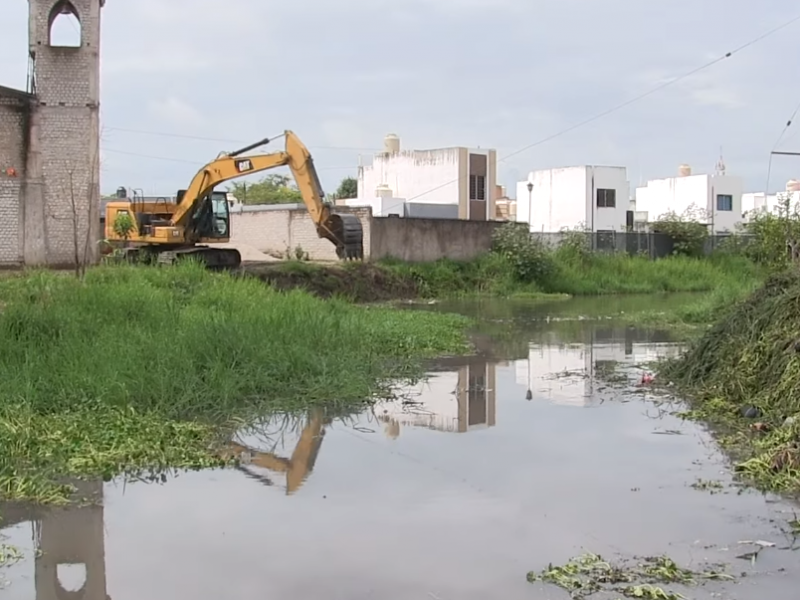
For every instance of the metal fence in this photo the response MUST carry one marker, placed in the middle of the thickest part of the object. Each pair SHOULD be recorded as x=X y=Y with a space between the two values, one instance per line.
x=654 y=245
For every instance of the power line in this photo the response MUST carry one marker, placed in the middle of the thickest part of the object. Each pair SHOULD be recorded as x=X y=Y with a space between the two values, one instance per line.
x=196 y=163
x=775 y=145
x=221 y=140
x=626 y=103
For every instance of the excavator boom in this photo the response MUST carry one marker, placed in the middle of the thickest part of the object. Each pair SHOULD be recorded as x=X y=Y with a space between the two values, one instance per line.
x=200 y=216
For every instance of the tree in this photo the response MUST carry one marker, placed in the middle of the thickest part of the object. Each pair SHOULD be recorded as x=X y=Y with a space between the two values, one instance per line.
x=272 y=189
x=348 y=188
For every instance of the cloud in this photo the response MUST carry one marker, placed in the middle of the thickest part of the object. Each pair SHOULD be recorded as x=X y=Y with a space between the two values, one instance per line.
x=174 y=111
x=503 y=74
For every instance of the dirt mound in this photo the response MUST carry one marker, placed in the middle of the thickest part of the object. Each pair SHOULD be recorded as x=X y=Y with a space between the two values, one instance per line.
x=361 y=282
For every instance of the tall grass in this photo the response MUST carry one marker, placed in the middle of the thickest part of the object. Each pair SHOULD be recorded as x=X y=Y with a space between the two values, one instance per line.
x=598 y=274
x=139 y=368
x=590 y=274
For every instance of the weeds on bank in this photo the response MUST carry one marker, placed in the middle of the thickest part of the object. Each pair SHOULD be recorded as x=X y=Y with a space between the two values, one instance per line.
x=519 y=265
x=743 y=377
x=589 y=574
x=137 y=370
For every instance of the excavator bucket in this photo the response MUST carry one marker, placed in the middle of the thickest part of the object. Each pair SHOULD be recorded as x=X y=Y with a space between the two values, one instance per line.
x=347 y=234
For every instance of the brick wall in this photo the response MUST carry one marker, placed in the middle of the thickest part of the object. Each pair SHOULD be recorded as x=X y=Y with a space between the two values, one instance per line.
x=66 y=210
x=14 y=116
x=277 y=228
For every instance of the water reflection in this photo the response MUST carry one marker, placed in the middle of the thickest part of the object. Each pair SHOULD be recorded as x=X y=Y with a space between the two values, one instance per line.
x=69 y=543
x=452 y=402
x=571 y=369
x=309 y=431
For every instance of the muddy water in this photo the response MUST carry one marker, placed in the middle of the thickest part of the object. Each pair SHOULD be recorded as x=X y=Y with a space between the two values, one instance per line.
x=534 y=451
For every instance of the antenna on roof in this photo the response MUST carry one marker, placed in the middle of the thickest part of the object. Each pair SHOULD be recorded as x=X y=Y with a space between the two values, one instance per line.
x=720 y=164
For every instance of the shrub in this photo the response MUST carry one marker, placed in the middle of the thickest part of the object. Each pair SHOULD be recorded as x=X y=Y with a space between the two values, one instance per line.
x=688 y=233
x=529 y=258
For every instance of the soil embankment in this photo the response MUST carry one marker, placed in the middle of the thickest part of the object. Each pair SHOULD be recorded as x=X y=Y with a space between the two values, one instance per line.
x=359 y=282
x=744 y=377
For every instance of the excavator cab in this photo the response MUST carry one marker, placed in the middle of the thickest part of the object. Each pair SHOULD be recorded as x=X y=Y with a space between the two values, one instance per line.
x=212 y=219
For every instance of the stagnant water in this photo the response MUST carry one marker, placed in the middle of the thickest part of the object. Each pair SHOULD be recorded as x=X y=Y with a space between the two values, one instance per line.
x=530 y=453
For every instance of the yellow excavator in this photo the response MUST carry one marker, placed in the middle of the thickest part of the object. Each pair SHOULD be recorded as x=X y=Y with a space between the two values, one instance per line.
x=168 y=231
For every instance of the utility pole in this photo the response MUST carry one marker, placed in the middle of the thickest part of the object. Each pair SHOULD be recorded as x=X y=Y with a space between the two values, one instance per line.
x=790 y=244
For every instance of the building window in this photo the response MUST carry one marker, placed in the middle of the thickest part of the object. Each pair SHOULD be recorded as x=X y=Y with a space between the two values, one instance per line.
x=724 y=202
x=477 y=187
x=606 y=198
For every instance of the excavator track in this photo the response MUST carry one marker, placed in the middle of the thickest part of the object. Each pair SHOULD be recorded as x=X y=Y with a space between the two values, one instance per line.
x=349 y=236
x=215 y=259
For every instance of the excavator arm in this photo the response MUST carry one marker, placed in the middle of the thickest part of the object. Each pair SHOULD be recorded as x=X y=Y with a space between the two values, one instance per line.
x=344 y=231
x=298 y=467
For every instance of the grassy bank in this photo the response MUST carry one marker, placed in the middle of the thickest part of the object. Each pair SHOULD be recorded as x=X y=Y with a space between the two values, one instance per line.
x=496 y=275
x=141 y=369
x=743 y=376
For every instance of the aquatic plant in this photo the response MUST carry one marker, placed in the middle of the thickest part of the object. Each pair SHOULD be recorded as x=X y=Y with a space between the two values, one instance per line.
x=588 y=574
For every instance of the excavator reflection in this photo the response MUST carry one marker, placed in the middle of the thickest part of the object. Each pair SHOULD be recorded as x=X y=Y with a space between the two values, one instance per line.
x=298 y=467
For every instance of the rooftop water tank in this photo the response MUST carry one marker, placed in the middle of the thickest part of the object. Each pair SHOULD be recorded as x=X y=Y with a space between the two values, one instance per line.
x=391 y=143
x=383 y=191
x=793 y=185
x=684 y=170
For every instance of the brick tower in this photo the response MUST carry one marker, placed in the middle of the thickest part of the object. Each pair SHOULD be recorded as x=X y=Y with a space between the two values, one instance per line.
x=61 y=197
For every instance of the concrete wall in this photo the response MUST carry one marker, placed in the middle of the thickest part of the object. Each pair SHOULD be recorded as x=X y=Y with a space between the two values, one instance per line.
x=679 y=194
x=565 y=198
x=420 y=240
x=277 y=228
x=274 y=229
x=15 y=107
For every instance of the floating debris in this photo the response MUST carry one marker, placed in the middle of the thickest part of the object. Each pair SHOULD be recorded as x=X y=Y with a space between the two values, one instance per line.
x=715 y=487
x=589 y=574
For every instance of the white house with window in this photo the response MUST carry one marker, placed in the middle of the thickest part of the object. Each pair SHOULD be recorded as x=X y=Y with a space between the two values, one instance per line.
x=592 y=197
x=715 y=200
x=461 y=181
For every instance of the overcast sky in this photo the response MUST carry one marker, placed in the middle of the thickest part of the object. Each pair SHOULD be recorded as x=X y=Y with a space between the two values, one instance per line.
x=489 y=73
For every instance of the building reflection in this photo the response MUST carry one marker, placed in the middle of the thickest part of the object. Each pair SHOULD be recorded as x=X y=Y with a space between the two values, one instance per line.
x=570 y=371
x=69 y=563
x=452 y=401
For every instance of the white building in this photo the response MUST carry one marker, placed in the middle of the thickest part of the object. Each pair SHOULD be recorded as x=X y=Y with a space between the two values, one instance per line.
x=452 y=402
x=591 y=197
x=715 y=200
x=754 y=202
x=460 y=177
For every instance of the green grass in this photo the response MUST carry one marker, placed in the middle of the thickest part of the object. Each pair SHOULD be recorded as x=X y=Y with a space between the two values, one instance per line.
x=140 y=369
x=593 y=274
x=600 y=274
